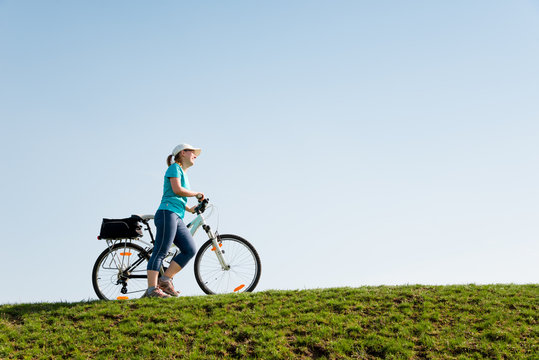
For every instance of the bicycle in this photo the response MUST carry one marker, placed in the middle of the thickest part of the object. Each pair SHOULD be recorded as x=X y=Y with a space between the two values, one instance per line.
x=223 y=264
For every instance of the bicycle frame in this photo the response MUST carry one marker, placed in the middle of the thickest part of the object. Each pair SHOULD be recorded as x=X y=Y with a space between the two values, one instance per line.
x=193 y=227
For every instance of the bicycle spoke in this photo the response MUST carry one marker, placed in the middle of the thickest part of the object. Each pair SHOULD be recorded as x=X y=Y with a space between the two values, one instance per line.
x=110 y=278
x=242 y=259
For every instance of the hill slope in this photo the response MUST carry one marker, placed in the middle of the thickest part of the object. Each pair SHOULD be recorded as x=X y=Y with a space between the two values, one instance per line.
x=409 y=322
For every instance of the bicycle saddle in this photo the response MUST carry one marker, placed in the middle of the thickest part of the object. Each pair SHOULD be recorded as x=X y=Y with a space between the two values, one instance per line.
x=143 y=217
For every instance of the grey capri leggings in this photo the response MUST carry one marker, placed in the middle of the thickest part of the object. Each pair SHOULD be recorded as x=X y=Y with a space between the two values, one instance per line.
x=171 y=229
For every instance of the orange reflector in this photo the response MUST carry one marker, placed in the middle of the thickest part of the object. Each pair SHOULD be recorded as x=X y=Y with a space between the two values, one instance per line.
x=126 y=254
x=213 y=248
x=122 y=298
x=239 y=288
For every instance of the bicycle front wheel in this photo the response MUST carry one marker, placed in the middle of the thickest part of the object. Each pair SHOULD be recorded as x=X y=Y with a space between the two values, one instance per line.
x=241 y=274
x=120 y=272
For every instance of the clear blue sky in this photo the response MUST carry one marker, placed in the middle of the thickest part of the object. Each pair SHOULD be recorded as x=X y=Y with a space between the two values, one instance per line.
x=352 y=142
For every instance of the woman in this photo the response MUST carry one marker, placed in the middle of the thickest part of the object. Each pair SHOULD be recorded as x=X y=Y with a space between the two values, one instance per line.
x=169 y=224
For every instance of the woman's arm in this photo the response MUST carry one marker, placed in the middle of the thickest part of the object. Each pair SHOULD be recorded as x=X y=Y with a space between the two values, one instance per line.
x=180 y=191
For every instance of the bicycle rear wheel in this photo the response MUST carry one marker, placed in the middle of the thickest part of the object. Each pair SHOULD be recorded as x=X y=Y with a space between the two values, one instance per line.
x=120 y=272
x=245 y=266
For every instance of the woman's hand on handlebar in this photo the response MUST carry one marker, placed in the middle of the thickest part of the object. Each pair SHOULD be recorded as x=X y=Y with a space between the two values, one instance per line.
x=200 y=197
x=201 y=207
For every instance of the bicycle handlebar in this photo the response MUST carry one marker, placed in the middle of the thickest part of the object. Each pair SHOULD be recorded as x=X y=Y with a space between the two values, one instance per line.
x=201 y=207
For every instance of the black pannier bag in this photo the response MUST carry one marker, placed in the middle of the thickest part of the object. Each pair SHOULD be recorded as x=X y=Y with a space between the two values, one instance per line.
x=129 y=228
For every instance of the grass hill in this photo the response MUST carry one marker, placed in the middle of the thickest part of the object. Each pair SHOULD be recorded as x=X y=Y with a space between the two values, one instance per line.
x=402 y=322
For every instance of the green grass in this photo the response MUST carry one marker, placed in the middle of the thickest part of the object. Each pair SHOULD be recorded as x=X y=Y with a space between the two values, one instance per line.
x=402 y=322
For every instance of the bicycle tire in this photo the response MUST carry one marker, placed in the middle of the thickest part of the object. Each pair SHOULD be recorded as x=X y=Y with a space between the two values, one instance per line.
x=107 y=275
x=244 y=261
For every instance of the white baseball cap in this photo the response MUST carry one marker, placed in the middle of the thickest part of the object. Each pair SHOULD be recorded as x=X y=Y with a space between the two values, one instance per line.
x=181 y=147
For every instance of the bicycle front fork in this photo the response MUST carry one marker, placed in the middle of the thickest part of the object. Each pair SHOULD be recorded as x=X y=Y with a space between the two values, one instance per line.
x=216 y=247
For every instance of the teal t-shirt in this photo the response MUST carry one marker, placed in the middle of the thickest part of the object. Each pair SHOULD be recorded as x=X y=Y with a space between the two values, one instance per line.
x=170 y=200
